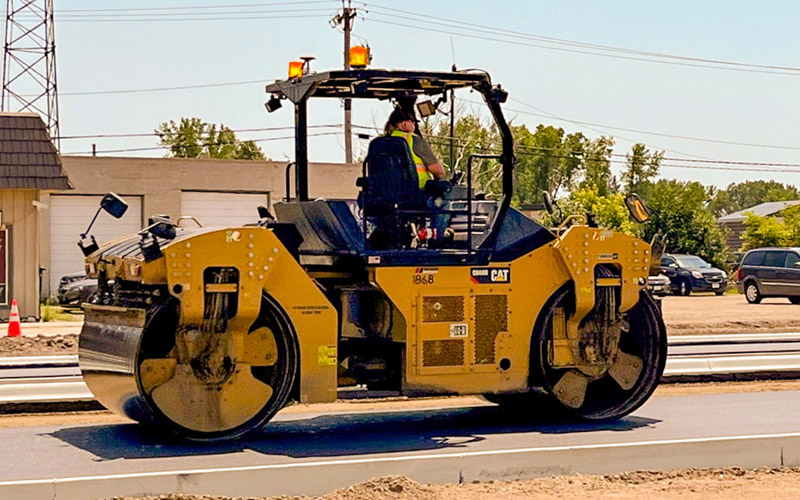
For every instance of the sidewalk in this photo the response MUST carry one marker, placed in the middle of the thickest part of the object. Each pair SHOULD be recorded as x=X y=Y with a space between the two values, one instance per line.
x=46 y=329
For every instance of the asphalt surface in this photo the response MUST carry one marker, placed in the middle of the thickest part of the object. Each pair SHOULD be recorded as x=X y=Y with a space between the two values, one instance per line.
x=61 y=452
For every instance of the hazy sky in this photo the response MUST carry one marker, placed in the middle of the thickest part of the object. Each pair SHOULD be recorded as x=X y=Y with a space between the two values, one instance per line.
x=738 y=104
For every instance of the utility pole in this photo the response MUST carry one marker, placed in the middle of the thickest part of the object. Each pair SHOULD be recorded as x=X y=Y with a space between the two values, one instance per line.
x=345 y=19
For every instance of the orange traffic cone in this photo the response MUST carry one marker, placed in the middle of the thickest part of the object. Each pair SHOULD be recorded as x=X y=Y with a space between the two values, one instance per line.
x=14 y=329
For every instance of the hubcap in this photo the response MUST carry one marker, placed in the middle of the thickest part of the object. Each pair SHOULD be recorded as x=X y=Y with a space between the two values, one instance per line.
x=752 y=292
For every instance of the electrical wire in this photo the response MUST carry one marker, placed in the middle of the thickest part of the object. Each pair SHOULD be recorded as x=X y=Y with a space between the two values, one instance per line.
x=156 y=134
x=588 y=47
x=200 y=7
x=220 y=143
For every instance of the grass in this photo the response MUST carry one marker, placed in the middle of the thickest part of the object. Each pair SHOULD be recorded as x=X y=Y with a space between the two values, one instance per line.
x=57 y=313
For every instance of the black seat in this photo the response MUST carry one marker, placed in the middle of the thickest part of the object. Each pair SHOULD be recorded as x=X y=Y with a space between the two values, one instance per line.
x=390 y=196
x=391 y=181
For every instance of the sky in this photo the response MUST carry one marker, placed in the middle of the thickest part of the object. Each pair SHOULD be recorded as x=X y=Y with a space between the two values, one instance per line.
x=726 y=81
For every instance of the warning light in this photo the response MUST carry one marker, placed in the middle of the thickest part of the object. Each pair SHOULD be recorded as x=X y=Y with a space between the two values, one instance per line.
x=296 y=69
x=360 y=56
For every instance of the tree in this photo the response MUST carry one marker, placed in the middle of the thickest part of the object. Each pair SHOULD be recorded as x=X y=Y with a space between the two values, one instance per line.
x=642 y=166
x=773 y=231
x=597 y=165
x=679 y=213
x=743 y=195
x=194 y=138
x=609 y=210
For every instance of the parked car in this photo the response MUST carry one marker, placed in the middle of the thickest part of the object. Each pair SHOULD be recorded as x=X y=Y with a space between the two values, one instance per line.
x=75 y=289
x=690 y=273
x=658 y=285
x=770 y=272
x=71 y=278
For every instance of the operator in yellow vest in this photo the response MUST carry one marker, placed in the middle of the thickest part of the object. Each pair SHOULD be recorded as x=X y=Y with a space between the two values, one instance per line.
x=401 y=124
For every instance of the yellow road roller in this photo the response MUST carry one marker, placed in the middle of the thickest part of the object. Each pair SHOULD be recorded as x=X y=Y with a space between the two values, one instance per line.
x=207 y=333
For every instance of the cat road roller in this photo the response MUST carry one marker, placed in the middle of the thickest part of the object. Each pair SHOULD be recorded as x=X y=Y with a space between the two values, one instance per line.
x=208 y=332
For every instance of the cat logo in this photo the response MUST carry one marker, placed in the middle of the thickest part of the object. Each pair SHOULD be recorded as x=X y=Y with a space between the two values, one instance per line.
x=490 y=274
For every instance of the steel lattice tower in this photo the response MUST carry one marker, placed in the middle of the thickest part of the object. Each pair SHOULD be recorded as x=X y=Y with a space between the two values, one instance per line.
x=29 y=62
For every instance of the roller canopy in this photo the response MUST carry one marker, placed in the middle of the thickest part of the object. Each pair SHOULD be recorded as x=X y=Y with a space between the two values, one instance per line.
x=374 y=84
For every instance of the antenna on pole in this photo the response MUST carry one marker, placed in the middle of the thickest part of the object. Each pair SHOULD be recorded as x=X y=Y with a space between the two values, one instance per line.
x=345 y=19
x=29 y=62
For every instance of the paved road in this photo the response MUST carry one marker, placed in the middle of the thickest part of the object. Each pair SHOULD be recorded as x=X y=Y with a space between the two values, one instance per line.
x=390 y=442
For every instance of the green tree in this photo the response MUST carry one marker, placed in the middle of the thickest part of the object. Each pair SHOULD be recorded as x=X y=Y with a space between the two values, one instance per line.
x=781 y=231
x=680 y=212
x=743 y=195
x=194 y=138
x=597 y=165
x=609 y=210
x=641 y=168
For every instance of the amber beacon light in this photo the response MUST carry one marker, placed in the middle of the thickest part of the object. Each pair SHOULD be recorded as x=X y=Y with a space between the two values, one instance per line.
x=360 y=56
x=296 y=69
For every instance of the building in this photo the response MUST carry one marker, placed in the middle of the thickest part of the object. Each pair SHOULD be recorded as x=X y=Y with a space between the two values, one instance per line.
x=30 y=170
x=735 y=222
x=215 y=192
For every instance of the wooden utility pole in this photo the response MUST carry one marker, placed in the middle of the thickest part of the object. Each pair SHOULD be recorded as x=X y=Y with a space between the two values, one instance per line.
x=345 y=19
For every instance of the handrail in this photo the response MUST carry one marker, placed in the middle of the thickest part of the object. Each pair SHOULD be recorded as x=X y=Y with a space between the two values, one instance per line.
x=479 y=156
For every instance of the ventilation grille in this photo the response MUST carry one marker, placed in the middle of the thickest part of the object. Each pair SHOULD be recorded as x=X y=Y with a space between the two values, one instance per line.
x=442 y=309
x=491 y=318
x=443 y=353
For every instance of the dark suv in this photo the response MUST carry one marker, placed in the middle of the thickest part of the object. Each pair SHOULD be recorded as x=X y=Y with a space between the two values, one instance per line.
x=770 y=272
x=690 y=273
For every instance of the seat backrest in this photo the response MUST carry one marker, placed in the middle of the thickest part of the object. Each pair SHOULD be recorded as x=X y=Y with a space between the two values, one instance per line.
x=391 y=176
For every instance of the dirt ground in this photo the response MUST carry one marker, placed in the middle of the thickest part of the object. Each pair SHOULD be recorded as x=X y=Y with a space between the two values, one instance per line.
x=711 y=315
x=688 y=484
x=694 y=315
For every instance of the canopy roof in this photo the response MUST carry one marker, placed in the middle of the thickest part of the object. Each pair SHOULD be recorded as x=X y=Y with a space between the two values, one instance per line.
x=375 y=84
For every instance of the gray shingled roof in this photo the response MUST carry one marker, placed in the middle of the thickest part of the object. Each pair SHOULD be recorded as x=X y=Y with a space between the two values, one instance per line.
x=28 y=159
x=764 y=209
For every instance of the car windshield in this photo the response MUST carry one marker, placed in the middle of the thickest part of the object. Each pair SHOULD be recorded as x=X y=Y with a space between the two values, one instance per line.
x=692 y=261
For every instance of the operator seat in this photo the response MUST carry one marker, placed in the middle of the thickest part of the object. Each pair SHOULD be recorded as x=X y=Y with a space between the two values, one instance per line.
x=390 y=191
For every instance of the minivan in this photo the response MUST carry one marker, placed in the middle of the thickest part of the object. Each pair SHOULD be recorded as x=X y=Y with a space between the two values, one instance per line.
x=770 y=272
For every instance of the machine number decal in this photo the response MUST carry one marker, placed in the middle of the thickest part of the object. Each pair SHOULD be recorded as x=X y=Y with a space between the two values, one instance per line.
x=607 y=256
x=326 y=355
x=459 y=330
x=490 y=274
x=423 y=279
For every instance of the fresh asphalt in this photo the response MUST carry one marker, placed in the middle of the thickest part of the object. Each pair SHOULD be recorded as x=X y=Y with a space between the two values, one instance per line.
x=111 y=449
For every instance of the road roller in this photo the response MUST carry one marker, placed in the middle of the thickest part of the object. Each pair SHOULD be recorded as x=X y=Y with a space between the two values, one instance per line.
x=206 y=333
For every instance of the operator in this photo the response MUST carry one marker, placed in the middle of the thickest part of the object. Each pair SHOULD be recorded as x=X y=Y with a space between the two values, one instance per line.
x=401 y=124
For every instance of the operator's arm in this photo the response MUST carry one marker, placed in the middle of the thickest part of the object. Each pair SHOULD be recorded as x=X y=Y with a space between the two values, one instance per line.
x=424 y=151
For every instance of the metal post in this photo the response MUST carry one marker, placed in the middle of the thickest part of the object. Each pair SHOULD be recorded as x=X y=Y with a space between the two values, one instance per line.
x=345 y=18
x=301 y=151
x=452 y=127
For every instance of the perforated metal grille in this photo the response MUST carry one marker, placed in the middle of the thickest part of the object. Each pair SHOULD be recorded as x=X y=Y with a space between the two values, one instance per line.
x=442 y=309
x=442 y=353
x=491 y=318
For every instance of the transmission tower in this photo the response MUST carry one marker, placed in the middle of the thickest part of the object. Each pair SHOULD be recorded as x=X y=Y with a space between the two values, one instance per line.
x=29 y=62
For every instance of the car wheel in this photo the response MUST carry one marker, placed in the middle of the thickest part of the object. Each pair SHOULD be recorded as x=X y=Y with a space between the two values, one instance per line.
x=794 y=300
x=751 y=293
x=684 y=288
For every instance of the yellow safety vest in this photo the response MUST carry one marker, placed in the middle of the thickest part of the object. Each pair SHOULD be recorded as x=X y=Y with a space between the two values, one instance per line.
x=422 y=171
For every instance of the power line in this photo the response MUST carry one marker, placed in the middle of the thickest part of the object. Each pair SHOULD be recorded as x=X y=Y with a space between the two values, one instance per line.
x=219 y=143
x=576 y=47
x=199 y=7
x=646 y=132
x=189 y=19
x=155 y=134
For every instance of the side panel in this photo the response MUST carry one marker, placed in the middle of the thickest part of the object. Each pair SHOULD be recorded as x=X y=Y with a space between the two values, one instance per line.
x=469 y=327
x=264 y=264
